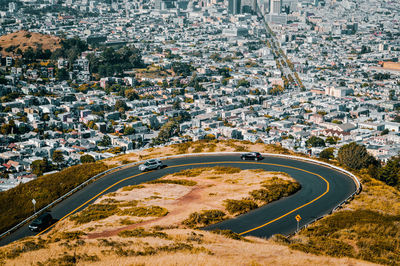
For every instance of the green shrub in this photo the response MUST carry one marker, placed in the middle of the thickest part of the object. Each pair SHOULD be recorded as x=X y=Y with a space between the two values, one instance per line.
x=140 y=232
x=145 y=211
x=44 y=190
x=95 y=212
x=204 y=218
x=240 y=206
x=130 y=188
x=216 y=170
x=183 y=182
x=131 y=203
x=275 y=189
x=71 y=235
x=228 y=233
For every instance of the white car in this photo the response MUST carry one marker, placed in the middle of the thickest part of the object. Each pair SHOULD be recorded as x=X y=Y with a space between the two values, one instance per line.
x=151 y=165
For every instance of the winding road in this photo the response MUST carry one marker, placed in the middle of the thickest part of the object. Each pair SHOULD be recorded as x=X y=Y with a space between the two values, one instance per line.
x=323 y=188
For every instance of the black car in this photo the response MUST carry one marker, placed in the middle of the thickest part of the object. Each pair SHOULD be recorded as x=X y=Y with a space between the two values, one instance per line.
x=251 y=156
x=42 y=222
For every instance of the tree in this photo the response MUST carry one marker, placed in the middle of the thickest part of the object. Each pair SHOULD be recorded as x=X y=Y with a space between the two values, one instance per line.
x=40 y=166
x=331 y=140
x=385 y=132
x=243 y=83
x=106 y=141
x=87 y=159
x=327 y=153
x=390 y=172
x=58 y=157
x=315 y=142
x=62 y=74
x=355 y=156
x=120 y=106
x=129 y=131
x=177 y=104
x=131 y=94
x=392 y=95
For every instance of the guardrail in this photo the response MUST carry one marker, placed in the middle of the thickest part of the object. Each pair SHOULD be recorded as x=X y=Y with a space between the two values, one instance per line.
x=355 y=179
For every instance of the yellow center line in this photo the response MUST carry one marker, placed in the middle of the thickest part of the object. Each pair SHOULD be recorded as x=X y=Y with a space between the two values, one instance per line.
x=181 y=165
x=80 y=206
x=298 y=208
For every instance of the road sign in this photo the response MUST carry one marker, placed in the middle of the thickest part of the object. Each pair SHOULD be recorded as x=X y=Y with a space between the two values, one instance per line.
x=298 y=217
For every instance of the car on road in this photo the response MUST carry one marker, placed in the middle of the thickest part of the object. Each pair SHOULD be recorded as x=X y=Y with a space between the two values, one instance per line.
x=251 y=156
x=151 y=165
x=41 y=223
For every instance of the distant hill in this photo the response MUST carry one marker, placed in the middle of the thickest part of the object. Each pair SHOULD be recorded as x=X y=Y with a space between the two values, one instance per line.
x=10 y=43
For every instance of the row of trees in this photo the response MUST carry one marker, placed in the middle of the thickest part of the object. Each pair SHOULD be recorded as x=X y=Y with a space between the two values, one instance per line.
x=42 y=166
x=356 y=157
x=113 y=62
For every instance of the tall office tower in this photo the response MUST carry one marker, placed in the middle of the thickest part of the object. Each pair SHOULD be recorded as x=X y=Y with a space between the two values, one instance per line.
x=12 y=7
x=254 y=5
x=276 y=6
x=234 y=6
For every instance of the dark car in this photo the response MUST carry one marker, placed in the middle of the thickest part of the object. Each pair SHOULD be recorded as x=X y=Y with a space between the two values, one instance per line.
x=251 y=156
x=42 y=222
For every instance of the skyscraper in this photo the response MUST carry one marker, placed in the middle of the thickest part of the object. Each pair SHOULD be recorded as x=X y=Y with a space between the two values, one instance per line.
x=276 y=7
x=234 y=6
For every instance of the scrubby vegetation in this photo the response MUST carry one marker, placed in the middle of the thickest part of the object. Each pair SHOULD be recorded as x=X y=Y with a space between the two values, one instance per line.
x=95 y=212
x=26 y=246
x=275 y=189
x=140 y=232
x=148 y=250
x=156 y=211
x=362 y=234
x=228 y=233
x=204 y=218
x=240 y=206
x=44 y=190
x=130 y=188
x=215 y=170
x=368 y=229
x=183 y=182
x=70 y=259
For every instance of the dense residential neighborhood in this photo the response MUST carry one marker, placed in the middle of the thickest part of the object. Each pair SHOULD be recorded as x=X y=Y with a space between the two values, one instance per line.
x=140 y=76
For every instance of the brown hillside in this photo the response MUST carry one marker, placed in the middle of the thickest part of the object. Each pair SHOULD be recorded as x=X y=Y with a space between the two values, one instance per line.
x=25 y=39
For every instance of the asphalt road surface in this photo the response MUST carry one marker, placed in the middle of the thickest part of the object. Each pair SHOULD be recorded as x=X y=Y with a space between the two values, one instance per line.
x=322 y=190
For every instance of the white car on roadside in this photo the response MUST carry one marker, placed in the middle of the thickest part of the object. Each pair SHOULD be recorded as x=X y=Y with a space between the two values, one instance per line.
x=152 y=164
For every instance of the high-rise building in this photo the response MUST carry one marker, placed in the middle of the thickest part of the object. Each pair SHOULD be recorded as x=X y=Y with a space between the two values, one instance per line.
x=234 y=6
x=12 y=7
x=276 y=7
x=254 y=5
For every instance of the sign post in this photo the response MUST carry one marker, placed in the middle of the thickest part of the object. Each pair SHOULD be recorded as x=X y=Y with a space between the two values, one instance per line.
x=34 y=205
x=298 y=218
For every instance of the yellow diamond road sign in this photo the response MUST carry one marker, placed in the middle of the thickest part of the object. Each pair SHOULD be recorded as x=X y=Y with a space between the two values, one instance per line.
x=298 y=218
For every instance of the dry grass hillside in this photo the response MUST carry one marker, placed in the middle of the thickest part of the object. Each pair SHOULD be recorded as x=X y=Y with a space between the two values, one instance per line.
x=24 y=39
x=152 y=224
x=367 y=228
x=157 y=223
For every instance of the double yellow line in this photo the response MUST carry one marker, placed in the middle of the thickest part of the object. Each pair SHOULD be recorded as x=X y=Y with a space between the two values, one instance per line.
x=206 y=163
